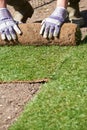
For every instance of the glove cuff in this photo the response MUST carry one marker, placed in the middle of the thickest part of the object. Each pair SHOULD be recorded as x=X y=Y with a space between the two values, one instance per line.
x=5 y=14
x=60 y=12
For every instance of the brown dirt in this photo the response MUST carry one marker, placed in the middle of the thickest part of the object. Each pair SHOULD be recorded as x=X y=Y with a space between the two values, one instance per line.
x=14 y=96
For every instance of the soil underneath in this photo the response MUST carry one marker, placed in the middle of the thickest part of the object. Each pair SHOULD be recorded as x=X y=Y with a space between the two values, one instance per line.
x=14 y=96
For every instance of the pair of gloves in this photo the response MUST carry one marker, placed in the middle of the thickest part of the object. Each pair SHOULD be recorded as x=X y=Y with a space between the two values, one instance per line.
x=50 y=26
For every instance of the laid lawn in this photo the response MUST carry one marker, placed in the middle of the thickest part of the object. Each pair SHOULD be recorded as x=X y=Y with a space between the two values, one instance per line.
x=61 y=103
x=28 y=63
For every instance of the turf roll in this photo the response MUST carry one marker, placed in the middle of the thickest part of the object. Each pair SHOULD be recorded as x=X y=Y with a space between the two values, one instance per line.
x=70 y=35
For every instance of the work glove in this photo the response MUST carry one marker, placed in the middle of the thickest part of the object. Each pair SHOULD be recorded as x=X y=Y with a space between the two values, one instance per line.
x=8 y=27
x=51 y=25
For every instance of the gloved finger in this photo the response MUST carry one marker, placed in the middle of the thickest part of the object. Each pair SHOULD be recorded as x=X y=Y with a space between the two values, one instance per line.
x=46 y=32
x=17 y=30
x=42 y=29
x=56 y=31
x=51 y=31
x=7 y=33
x=12 y=33
x=3 y=37
x=43 y=21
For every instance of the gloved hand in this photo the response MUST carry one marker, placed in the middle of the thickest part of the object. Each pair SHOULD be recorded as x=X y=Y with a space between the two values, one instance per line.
x=51 y=25
x=8 y=27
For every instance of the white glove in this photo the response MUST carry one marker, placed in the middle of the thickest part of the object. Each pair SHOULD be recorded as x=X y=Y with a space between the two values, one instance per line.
x=51 y=25
x=8 y=27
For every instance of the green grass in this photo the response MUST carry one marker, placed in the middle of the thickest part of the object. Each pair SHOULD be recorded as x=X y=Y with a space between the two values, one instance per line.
x=28 y=63
x=62 y=102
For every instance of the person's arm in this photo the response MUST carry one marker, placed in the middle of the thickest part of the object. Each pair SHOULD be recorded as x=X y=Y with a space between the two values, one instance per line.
x=51 y=25
x=8 y=27
x=62 y=3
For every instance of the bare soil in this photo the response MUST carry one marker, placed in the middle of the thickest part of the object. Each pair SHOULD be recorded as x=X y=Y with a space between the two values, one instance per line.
x=14 y=96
